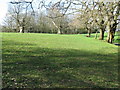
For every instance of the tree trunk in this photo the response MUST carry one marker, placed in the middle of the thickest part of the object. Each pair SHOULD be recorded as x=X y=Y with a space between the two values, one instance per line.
x=101 y=37
x=111 y=32
x=21 y=29
x=17 y=29
x=96 y=35
x=110 y=37
x=89 y=32
x=59 y=31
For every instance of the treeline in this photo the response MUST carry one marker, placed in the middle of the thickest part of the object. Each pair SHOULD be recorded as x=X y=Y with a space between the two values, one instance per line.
x=42 y=24
x=65 y=17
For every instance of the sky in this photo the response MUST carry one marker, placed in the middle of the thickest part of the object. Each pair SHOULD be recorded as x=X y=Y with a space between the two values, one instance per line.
x=3 y=9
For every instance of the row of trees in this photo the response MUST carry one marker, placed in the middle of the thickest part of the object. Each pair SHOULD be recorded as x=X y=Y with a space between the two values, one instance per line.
x=63 y=17
x=102 y=16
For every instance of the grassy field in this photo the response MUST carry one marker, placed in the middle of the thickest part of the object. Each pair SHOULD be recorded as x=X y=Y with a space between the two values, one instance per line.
x=58 y=61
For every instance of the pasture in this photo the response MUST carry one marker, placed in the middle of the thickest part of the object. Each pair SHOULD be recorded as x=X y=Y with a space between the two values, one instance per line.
x=32 y=60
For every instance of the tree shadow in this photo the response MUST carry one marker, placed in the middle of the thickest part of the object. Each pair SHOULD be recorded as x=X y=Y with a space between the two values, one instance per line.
x=32 y=67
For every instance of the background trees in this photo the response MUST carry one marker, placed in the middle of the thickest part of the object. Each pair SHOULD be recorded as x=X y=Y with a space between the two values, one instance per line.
x=64 y=16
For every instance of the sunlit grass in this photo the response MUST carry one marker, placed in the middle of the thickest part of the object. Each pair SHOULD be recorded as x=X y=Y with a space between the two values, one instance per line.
x=50 y=60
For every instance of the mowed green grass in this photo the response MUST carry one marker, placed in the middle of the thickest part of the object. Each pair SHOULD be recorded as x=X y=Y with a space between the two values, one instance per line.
x=58 y=61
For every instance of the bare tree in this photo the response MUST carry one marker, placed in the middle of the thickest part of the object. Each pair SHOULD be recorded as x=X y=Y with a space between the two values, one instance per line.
x=104 y=14
x=19 y=11
x=56 y=11
x=112 y=17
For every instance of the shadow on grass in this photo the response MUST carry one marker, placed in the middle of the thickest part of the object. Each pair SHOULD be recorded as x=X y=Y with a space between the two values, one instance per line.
x=26 y=65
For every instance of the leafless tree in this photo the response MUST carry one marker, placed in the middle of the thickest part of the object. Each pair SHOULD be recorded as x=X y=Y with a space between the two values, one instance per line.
x=56 y=11
x=19 y=11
